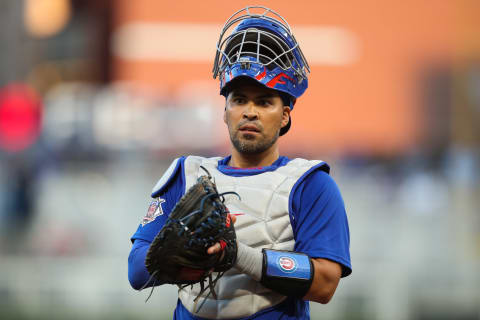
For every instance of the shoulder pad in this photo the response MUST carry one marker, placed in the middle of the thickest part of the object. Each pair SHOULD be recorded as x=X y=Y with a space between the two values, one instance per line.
x=323 y=166
x=319 y=166
x=312 y=164
x=167 y=176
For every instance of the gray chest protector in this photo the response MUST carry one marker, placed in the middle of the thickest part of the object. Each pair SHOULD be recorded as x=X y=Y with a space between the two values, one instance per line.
x=263 y=221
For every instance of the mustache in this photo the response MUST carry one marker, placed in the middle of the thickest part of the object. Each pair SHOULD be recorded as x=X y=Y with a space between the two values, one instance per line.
x=257 y=124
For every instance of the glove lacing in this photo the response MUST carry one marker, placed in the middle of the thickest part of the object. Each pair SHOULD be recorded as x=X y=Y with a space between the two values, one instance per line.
x=211 y=282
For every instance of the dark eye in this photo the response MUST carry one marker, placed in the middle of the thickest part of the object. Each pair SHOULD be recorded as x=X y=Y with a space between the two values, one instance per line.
x=238 y=100
x=264 y=102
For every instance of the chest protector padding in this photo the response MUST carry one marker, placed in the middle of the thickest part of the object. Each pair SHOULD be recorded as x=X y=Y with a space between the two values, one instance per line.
x=263 y=221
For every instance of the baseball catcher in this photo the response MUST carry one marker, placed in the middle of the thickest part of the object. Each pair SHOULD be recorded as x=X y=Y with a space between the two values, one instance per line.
x=285 y=242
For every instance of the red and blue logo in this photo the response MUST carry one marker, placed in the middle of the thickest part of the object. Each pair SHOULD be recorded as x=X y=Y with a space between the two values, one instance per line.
x=287 y=264
x=154 y=210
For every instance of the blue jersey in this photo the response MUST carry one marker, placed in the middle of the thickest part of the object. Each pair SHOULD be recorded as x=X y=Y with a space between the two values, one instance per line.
x=318 y=219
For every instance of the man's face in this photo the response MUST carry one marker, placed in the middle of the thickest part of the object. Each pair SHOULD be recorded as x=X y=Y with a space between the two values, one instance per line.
x=254 y=115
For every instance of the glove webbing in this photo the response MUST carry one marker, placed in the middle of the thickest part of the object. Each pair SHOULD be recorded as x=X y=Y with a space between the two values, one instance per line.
x=208 y=223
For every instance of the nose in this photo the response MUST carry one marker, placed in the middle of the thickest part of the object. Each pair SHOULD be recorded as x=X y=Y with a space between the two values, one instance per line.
x=250 y=111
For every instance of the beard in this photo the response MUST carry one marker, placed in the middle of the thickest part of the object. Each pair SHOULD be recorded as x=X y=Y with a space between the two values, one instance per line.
x=247 y=144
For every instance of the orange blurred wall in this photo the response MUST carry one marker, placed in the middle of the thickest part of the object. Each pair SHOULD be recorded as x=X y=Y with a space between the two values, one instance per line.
x=369 y=105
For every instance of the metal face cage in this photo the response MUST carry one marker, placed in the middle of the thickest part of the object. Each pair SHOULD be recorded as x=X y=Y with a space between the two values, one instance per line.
x=265 y=36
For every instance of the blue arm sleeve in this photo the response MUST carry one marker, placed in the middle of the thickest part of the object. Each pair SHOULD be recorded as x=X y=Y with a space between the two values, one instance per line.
x=143 y=237
x=137 y=273
x=320 y=224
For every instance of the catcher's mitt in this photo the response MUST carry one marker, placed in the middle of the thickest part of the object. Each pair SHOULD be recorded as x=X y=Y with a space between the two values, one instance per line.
x=178 y=254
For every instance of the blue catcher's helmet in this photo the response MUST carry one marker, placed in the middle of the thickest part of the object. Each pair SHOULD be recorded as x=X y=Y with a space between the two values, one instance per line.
x=261 y=47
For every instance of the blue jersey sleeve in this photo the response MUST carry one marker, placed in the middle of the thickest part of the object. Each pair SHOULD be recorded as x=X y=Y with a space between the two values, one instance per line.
x=164 y=200
x=138 y=274
x=319 y=223
x=166 y=195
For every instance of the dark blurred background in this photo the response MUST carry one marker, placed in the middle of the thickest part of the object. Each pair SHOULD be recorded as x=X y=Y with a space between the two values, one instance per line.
x=97 y=97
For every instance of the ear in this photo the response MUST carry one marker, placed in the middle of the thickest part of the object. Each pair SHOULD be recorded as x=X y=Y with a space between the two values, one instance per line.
x=285 y=116
x=225 y=113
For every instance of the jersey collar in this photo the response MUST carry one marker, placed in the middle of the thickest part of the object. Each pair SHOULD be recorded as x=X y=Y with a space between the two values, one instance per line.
x=224 y=168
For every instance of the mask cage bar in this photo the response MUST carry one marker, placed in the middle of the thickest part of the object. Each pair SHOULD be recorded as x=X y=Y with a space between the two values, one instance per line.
x=283 y=57
x=277 y=19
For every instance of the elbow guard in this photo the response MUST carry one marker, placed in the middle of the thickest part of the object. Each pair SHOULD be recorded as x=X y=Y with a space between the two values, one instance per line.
x=287 y=272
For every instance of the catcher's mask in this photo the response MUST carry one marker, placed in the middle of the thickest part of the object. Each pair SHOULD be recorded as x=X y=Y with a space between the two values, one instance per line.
x=262 y=47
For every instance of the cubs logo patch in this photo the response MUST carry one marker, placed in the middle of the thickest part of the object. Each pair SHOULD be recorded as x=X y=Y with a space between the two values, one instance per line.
x=154 y=210
x=287 y=264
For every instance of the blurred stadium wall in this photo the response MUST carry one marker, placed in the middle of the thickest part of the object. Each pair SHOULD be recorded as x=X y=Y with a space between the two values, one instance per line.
x=98 y=96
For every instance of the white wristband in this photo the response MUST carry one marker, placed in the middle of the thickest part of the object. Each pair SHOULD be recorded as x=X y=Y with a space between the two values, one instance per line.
x=249 y=261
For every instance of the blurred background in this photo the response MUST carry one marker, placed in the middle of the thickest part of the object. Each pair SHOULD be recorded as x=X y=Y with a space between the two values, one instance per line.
x=97 y=97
